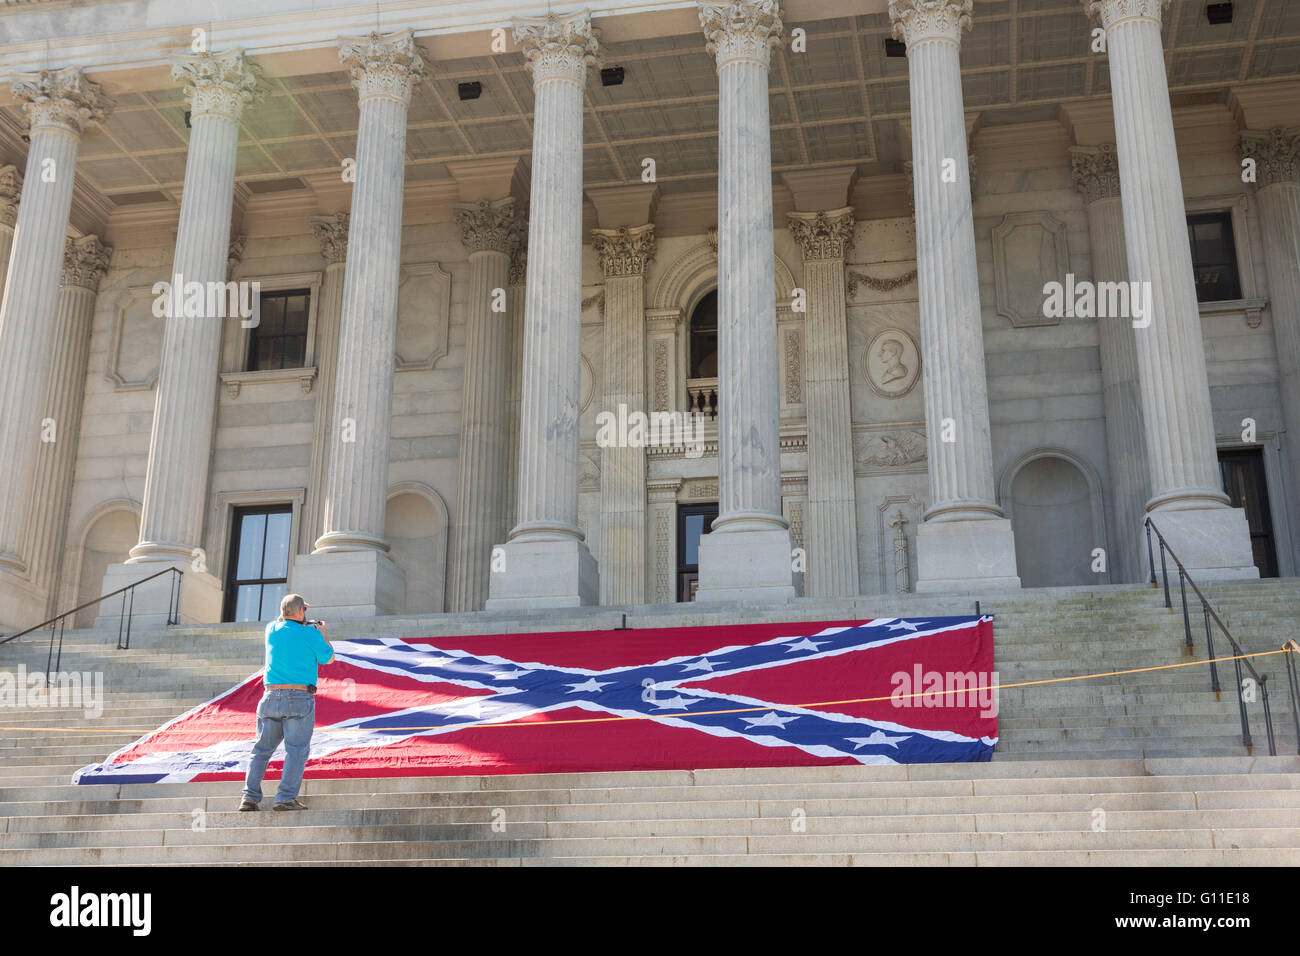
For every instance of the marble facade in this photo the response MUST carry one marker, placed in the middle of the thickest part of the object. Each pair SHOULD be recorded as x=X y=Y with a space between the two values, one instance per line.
x=890 y=407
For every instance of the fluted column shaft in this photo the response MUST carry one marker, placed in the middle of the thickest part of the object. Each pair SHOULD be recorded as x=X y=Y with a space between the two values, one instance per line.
x=623 y=255
x=1171 y=355
x=180 y=444
x=84 y=265
x=515 y=301
x=491 y=230
x=10 y=190
x=332 y=231
x=952 y=340
x=548 y=428
x=1096 y=175
x=741 y=37
x=58 y=105
x=830 y=529
x=1277 y=155
x=383 y=70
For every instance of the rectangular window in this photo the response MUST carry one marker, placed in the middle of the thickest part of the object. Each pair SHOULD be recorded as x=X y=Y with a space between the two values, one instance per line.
x=279 y=340
x=1214 y=256
x=1244 y=482
x=693 y=522
x=259 y=562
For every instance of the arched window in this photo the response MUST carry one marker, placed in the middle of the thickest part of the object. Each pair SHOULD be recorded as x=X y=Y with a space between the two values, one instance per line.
x=702 y=385
x=704 y=337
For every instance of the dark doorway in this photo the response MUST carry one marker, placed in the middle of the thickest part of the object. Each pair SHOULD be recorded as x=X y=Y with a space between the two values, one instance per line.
x=693 y=522
x=1242 y=470
x=259 y=563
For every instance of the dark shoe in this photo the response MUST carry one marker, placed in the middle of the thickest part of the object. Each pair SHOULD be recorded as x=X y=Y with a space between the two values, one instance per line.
x=246 y=804
x=294 y=804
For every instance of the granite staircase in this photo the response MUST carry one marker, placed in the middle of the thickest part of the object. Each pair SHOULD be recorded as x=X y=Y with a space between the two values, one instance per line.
x=1144 y=768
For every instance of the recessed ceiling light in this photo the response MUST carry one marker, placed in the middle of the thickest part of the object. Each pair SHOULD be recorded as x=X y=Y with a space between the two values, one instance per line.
x=1218 y=12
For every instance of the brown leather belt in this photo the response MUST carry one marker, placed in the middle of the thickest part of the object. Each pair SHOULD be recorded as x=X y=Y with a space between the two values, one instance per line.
x=287 y=687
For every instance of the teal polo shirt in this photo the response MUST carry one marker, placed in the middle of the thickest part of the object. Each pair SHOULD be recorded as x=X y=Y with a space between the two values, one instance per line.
x=292 y=652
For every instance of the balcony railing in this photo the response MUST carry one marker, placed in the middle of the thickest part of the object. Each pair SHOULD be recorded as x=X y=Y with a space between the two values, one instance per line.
x=702 y=397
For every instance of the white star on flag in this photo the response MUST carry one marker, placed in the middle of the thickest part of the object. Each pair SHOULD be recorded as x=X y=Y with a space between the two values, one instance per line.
x=590 y=684
x=674 y=703
x=472 y=707
x=703 y=664
x=509 y=675
x=770 y=719
x=804 y=645
x=435 y=662
x=879 y=737
x=906 y=625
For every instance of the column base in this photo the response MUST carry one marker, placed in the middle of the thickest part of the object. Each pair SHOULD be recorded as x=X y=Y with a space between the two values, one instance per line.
x=348 y=584
x=200 y=595
x=1212 y=543
x=543 y=574
x=977 y=554
x=747 y=566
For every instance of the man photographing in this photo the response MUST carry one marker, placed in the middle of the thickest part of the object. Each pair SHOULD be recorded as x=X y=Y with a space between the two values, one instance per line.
x=287 y=710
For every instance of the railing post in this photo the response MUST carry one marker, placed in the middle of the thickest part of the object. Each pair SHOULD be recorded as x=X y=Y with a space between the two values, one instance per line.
x=1268 y=715
x=121 y=620
x=1241 y=706
x=1151 y=558
x=58 y=662
x=1187 y=622
x=1164 y=572
x=1293 y=684
x=130 y=615
x=1209 y=653
x=49 y=658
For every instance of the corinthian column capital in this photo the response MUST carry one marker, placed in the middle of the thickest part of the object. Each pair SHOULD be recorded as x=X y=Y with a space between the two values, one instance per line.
x=10 y=192
x=823 y=235
x=62 y=99
x=624 y=251
x=558 y=48
x=384 y=66
x=1276 y=154
x=1110 y=12
x=915 y=21
x=491 y=226
x=742 y=30
x=85 y=262
x=1096 y=171
x=332 y=234
x=218 y=84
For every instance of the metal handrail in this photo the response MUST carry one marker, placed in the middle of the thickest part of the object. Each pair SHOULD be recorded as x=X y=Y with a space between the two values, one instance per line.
x=1208 y=612
x=59 y=621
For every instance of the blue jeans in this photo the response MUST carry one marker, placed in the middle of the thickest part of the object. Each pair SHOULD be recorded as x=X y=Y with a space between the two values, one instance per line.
x=288 y=715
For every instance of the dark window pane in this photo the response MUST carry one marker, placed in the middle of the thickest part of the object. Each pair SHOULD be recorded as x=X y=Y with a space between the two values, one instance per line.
x=252 y=533
x=272 y=316
x=295 y=351
x=295 y=315
x=276 y=562
x=694 y=528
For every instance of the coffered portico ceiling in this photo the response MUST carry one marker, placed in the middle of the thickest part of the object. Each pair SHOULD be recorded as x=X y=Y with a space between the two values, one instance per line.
x=838 y=103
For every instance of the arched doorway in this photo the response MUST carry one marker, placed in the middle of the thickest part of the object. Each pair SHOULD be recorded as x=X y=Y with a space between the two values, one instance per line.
x=107 y=540
x=415 y=526
x=1051 y=504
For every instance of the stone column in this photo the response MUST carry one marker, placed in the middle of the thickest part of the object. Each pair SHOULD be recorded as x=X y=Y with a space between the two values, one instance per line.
x=332 y=234
x=10 y=191
x=964 y=542
x=85 y=262
x=1277 y=192
x=546 y=562
x=1188 y=504
x=218 y=87
x=662 y=517
x=350 y=573
x=831 y=526
x=491 y=230
x=748 y=552
x=623 y=255
x=59 y=105
x=1096 y=176
x=515 y=298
